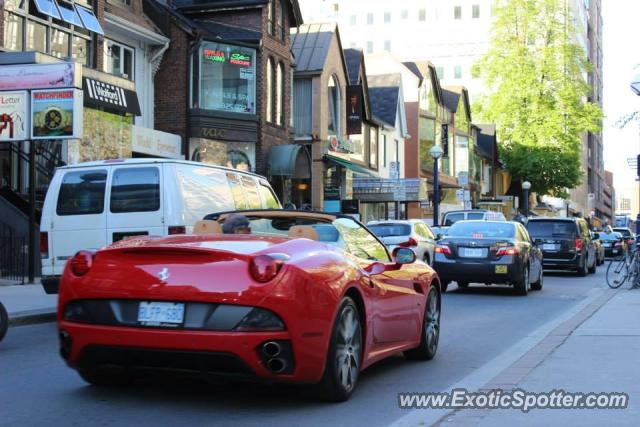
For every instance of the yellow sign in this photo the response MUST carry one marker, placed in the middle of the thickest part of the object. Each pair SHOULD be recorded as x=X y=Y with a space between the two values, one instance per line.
x=501 y=269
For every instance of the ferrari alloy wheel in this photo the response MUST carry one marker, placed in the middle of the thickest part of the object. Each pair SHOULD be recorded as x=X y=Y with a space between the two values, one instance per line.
x=430 y=330
x=522 y=286
x=345 y=354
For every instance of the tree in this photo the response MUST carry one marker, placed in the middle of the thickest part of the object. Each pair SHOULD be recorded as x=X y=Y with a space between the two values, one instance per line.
x=536 y=73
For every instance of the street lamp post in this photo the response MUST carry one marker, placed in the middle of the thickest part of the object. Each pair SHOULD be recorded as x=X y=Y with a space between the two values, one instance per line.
x=436 y=153
x=526 y=186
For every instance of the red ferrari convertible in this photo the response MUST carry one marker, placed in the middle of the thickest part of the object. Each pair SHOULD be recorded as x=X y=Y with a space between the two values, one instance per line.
x=306 y=298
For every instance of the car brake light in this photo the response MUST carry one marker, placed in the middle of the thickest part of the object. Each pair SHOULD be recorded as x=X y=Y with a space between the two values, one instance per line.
x=177 y=229
x=81 y=263
x=507 y=250
x=264 y=268
x=44 y=245
x=579 y=244
x=446 y=250
x=409 y=243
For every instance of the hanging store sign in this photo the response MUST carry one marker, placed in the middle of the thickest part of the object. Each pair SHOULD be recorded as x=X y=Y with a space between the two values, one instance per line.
x=156 y=143
x=110 y=97
x=40 y=76
x=14 y=116
x=56 y=114
x=354 y=110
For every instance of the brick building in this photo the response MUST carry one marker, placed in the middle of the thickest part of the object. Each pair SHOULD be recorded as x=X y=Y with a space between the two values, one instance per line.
x=225 y=82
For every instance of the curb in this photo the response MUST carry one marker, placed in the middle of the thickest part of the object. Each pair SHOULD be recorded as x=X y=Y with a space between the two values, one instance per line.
x=32 y=317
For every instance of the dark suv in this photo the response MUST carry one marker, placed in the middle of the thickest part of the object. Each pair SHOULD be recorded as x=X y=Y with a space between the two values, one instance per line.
x=566 y=243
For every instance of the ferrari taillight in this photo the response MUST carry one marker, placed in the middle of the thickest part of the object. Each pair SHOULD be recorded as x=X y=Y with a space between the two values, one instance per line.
x=81 y=263
x=264 y=268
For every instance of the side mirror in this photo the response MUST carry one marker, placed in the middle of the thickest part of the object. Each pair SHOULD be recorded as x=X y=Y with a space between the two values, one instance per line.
x=438 y=236
x=403 y=256
x=596 y=236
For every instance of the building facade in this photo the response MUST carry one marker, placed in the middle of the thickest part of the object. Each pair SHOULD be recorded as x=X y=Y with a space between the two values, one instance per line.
x=226 y=81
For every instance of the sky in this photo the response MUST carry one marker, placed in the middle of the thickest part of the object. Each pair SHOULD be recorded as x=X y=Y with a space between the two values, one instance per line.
x=621 y=35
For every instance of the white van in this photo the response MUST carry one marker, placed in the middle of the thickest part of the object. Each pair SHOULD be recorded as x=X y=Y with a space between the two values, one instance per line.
x=91 y=205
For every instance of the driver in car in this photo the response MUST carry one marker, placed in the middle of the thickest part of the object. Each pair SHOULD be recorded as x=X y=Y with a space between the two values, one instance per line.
x=236 y=224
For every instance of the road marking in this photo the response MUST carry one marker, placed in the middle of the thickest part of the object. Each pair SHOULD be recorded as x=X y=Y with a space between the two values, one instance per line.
x=478 y=378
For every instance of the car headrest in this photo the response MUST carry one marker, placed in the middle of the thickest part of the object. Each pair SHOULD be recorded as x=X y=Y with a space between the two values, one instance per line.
x=207 y=227
x=303 y=232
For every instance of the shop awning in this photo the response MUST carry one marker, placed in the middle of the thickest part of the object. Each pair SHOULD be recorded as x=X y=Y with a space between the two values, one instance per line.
x=287 y=160
x=361 y=170
x=105 y=95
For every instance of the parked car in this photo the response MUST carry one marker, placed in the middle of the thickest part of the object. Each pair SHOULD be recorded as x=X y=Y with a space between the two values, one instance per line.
x=629 y=236
x=600 y=255
x=565 y=242
x=305 y=298
x=614 y=244
x=499 y=252
x=90 y=205
x=452 y=217
x=412 y=233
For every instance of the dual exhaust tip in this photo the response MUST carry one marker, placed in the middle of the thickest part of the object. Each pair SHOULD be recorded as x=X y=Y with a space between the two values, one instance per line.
x=271 y=350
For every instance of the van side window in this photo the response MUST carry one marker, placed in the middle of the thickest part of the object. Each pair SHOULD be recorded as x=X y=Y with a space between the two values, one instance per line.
x=453 y=218
x=270 y=201
x=251 y=192
x=135 y=190
x=82 y=193
x=237 y=191
x=475 y=215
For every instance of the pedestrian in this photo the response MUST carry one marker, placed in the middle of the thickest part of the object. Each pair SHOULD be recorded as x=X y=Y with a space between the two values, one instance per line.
x=236 y=224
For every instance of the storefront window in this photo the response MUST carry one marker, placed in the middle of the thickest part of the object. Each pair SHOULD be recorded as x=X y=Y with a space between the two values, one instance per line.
x=13 y=31
x=226 y=78
x=280 y=95
x=37 y=37
x=59 y=44
x=119 y=59
x=81 y=50
x=333 y=94
x=427 y=131
x=269 y=90
x=373 y=147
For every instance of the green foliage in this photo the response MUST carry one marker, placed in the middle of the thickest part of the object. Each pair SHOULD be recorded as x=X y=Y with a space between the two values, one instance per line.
x=536 y=77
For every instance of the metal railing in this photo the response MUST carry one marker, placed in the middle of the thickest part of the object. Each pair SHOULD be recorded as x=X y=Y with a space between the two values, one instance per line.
x=13 y=254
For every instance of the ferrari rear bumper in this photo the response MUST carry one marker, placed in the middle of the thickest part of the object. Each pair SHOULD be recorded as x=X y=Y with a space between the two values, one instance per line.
x=203 y=353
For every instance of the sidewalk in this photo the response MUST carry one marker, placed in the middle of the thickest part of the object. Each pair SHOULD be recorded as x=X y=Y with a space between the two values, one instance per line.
x=27 y=303
x=599 y=355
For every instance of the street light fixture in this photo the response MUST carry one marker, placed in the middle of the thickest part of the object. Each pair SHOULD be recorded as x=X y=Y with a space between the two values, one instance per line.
x=436 y=152
x=526 y=186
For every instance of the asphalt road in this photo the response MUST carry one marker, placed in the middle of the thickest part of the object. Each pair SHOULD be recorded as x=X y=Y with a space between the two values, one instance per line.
x=478 y=325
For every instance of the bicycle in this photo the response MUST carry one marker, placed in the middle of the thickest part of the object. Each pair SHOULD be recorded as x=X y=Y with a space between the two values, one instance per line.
x=623 y=268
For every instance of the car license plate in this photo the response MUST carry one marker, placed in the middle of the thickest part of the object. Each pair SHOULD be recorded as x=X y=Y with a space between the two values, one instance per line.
x=615 y=251
x=549 y=247
x=472 y=253
x=159 y=313
x=501 y=269
x=607 y=245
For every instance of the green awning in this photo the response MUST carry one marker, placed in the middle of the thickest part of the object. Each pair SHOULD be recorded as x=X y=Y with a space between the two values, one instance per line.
x=357 y=169
x=284 y=161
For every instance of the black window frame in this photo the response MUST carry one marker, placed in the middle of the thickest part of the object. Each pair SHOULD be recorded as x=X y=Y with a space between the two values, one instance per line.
x=70 y=173
x=149 y=207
